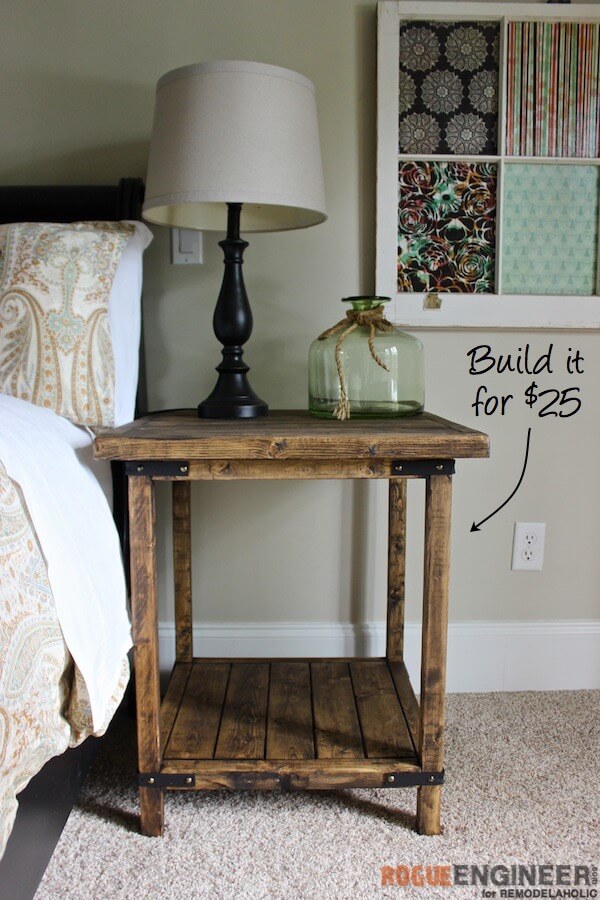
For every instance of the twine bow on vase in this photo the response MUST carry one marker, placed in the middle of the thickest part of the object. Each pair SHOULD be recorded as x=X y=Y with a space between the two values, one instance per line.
x=355 y=318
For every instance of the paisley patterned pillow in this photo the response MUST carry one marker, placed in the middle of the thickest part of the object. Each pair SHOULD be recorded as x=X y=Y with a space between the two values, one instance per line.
x=55 y=344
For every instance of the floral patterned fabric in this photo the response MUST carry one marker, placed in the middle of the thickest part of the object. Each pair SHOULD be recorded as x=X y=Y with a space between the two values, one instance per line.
x=448 y=88
x=55 y=346
x=44 y=707
x=446 y=227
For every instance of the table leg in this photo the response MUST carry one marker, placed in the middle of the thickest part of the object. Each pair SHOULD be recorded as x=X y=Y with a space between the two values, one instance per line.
x=145 y=636
x=438 y=500
x=182 y=568
x=396 y=569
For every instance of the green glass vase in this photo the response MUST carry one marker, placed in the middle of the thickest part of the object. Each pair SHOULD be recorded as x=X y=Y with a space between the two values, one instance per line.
x=365 y=367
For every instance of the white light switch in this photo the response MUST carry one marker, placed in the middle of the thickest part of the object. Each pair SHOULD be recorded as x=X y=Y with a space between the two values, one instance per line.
x=186 y=246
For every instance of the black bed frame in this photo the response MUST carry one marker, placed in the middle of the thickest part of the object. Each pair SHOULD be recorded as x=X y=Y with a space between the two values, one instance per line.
x=46 y=802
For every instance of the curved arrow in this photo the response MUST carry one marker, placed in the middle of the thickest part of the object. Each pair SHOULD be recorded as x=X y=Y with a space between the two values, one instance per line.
x=477 y=527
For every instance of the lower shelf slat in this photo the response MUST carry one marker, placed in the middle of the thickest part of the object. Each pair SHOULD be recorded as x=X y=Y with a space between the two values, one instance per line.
x=197 y=723
x=171 y=704
x=337 y=729
x=383 y=725
x=290 y=721
x=244 y=720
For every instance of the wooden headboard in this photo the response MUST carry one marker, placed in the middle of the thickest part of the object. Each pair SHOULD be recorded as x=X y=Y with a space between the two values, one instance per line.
x=77 y=203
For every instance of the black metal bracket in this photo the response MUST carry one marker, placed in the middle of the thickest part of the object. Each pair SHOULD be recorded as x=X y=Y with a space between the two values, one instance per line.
x=413 y=779
x=159 y=780
x=422 y=467
x=158 y=468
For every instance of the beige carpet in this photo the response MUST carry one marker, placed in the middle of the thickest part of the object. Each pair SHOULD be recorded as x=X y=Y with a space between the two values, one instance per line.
x=523 y=786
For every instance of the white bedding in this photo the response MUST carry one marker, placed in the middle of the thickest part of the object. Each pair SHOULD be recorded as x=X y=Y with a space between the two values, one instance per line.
x=51 y=460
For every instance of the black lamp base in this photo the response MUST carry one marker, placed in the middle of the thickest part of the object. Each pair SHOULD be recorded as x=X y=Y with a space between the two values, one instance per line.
x=231 y=411
x=232 y=396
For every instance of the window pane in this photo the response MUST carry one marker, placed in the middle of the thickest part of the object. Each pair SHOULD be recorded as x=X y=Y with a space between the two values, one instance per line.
x=448 y=88
x=446 y=226
x=553 y=83
x=550 y=229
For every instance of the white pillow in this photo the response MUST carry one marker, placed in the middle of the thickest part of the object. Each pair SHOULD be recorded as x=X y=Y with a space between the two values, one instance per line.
x=125 y=318
x=56 y=347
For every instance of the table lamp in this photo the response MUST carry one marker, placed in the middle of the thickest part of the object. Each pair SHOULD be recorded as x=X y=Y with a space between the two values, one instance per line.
x=234 y=143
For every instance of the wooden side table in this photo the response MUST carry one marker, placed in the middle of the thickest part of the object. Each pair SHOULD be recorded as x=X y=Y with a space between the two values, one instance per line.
x=289 y=724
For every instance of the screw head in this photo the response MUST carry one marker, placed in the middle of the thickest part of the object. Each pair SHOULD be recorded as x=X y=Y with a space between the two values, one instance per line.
x=391 y=778
x=439 y=467
x=183 y=469
x=188 y=780
x=431 y=779
x=139 y=468
x=151 y=781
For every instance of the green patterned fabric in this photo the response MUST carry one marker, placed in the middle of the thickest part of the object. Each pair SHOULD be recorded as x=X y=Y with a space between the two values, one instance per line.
x=550 y=229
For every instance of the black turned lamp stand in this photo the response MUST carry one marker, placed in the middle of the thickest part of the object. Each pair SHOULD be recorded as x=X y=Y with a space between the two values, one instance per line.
x=232 y=397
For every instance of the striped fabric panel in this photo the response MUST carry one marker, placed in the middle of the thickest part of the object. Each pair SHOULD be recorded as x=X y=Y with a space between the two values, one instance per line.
x=553 y=83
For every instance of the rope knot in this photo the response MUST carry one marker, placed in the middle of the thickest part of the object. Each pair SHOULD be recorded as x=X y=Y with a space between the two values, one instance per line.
x=355 y=318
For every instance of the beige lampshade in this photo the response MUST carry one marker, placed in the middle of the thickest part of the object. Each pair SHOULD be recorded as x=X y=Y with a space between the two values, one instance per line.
x=235 y=132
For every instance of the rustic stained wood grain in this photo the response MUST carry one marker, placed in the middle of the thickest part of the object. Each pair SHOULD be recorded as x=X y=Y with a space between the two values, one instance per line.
x=284 y=659
x=172 y=699
x=290 y=724
x=195 y=731
x=289 y=435
x=336 y=690
x=318 y=774
x=408 y=701
x=243 y=726
x=382 y=723
x=289 y=720
x=281 y=469
x=182 y=570
x=438 y=500
x=144 y=606
x=396 y=568
x=337 y=732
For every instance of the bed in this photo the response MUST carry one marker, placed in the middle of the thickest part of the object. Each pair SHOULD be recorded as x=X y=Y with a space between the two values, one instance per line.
x=64 y=627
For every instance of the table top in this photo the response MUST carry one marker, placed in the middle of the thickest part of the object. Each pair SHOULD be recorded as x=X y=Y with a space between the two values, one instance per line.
x=289 y=434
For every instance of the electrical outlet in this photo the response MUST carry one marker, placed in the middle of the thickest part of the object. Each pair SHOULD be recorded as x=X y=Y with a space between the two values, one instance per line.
x=528 y=546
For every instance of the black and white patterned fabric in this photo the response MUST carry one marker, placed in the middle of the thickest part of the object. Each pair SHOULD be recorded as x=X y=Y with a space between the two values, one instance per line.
x=448 y=88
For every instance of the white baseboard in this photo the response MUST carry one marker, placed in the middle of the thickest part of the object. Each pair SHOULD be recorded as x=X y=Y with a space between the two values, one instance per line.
x=482 y=656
